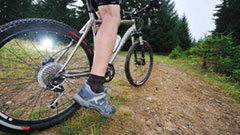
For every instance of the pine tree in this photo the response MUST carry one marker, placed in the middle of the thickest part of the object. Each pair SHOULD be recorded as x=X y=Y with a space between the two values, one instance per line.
x=55 y=9
x=167 y=31
x=162 y=33
x=184 y=34
x=11 y=10
x=228 y=19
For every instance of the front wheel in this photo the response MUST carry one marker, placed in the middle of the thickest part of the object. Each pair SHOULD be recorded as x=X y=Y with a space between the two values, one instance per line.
x=139 y=63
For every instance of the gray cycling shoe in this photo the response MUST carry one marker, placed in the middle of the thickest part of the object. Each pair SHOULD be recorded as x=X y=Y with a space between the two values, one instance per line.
x=92 y=100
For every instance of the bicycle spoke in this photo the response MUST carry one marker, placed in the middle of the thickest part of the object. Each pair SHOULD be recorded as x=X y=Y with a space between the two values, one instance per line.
x=69 y=101
x=14 y=68
x=15 y=94
x=29 y=99
x=26 y=106
x=3 y=102
x=26 y=53
x=10 y=60
x=47 y=53
x=36 y=102
x=18 y=84
x=69 y=86
x=72 y=84
x=20 y=58
x=39 y=115
x=15 y=79
x=37 y=50
x=68 y=98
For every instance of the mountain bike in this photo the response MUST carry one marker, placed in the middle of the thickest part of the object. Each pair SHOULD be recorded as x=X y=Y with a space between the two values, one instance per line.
x=43 y=64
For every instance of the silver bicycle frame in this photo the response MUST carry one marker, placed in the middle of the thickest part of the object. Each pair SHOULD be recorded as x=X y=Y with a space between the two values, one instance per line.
x=92 y=22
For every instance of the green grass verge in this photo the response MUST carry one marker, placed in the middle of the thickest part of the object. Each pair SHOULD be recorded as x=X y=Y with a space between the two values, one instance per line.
x=89 y=122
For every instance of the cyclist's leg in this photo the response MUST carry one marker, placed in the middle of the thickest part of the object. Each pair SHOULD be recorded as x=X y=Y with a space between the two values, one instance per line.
x=105 y=38
x=104 y=44
x=93 y=94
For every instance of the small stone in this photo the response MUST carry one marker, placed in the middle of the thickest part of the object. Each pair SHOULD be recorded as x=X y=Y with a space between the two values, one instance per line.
x=142 y=120
x=149 y=122
x=159 y=124
x=9 y=102
x=159 y=129
x=218 y=101
x=178 y=131
x=184 y=127
x=189 y=124
x=149 y=98
x=170 y=126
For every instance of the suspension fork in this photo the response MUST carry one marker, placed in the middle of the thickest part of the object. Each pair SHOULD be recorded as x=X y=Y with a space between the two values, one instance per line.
x=142 y=48
x=139 y=36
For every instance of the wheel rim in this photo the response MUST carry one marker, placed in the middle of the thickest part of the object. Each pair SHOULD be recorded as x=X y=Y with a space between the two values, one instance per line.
x=140 y=64
x=22 y=97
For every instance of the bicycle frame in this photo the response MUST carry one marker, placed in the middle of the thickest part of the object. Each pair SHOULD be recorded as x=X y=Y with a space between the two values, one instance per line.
x=92 y=22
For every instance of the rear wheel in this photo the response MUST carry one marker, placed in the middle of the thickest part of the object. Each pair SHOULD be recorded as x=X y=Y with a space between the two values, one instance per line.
x=31 y=54
x=139 y=63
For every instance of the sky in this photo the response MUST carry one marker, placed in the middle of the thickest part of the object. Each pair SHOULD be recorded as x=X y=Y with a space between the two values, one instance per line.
x=199 y=14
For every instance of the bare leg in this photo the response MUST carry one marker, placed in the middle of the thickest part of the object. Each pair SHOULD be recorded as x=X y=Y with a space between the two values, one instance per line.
x=92 y=94
x=105 y=39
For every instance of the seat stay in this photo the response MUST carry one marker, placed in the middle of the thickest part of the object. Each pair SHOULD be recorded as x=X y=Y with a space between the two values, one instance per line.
x=87 y=28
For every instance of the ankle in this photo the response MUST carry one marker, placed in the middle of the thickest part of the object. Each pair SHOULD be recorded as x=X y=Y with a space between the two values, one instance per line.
x=96 y=83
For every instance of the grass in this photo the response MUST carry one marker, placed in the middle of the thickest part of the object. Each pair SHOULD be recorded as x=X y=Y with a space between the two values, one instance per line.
x=193 y=64
x=89 y=122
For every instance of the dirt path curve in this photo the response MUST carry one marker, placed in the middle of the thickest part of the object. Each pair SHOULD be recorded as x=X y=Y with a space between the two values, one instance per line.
x=175 y=101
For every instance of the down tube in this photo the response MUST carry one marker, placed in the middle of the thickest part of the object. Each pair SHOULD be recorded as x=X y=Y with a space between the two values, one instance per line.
x=123 y=41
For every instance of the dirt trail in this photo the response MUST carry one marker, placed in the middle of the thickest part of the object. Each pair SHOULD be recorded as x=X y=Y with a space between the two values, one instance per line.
x=175 y=101
x=172 y=102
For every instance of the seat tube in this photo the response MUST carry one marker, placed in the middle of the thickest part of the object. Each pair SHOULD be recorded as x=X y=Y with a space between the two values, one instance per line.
x=94 y=29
